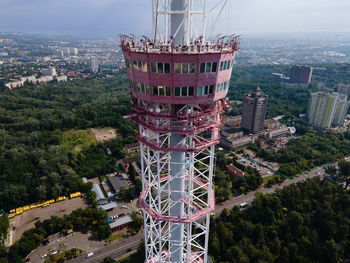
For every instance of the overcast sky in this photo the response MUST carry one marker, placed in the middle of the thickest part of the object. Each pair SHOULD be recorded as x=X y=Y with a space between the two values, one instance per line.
x=112 y=17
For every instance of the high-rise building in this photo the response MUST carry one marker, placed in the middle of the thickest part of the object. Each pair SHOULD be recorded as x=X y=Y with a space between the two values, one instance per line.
x=179 y=81
x=300 y=75
x=254 y=111
x=73 y=51
x=343 y=89
x=321 y=109
x=93 y=65
x=341 y=110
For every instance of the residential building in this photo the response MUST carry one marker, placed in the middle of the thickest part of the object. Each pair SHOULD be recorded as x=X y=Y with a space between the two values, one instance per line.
x=14 y=84
x=321 y=109
x=300 y=75
x=62 y=78
x=44 y=79
x=254 y=111
x=93 y=65
x=51 y=71
x=343 y=89
x=341 y=110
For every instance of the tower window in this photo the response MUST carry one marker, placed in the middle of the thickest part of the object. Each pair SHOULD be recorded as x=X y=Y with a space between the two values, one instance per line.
x=161 y=91
x=224 y=65
x=159 y=67
x=185 y=68
x=184 y=91
x=208 y=67
x=205 y=90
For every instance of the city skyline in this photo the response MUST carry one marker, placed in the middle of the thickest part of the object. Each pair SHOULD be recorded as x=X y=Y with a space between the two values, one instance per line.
x=104 y=17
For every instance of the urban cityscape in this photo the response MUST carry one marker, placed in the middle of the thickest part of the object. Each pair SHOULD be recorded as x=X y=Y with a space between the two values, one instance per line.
x=177 y=145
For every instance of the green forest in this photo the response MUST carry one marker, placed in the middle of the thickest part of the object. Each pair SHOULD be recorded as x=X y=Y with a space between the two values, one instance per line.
x=226 y=185
x=35 y=165
x=314 y=148
x=306 y=222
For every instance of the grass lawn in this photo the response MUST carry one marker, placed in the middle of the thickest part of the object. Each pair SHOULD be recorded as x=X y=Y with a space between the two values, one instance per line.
x=266 y=179
x=122 y=260
x=115 y=237
x=69 y=254
x=76 y=140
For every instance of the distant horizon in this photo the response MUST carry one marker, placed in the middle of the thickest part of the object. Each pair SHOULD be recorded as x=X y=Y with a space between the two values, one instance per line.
x=248 y=34
x=109 y=17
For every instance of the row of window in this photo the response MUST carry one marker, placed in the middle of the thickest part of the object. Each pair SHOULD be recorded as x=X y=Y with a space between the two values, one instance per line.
x=157 y=67
x=225 y=65
x=161 y=91
x=205 y=90
x=140 y=66
x=184 y=91
x=179 y=68
x=179 y=91
x=208 y=67
x=185 y=68
x=221 y=87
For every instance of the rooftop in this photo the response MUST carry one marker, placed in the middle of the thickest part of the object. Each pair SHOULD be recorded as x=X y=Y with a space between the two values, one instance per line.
x=108 y=206
x=121 y=221
x=117 y=181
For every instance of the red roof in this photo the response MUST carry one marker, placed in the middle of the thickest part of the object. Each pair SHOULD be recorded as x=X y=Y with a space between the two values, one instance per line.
x=234 y=170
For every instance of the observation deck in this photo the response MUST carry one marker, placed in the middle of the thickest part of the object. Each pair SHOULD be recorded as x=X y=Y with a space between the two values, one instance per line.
x=170 y=74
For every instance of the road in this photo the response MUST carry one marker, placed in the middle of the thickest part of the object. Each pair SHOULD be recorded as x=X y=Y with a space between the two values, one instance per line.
x=248 y=198
x=116 y=249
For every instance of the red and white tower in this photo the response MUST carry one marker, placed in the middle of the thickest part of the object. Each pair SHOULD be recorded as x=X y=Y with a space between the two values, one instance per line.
x=179 y=81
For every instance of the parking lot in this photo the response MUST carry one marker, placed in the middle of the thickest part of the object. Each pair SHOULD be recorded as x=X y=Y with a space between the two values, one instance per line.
x=125 y=208
x=260 y=165
x=26 y=221
x=86 y=242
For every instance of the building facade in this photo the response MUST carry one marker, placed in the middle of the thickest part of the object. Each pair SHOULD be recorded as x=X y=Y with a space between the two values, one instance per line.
x=321 y=109
x=93 y=65
x=254 y=111
x=300 y=75
x=341 y=110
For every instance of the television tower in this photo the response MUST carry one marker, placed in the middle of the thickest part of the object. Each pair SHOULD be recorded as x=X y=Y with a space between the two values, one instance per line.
x=179 y=80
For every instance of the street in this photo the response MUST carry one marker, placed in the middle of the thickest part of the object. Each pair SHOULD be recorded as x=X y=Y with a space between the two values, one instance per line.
x=119 y=249
x=249 y=197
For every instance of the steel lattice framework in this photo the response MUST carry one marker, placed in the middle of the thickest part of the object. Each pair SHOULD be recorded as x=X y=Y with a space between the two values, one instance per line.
x=179 y=84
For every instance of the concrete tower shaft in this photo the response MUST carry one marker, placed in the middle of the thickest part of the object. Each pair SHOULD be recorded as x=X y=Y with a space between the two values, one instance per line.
x=179 y=82
x=179 y=21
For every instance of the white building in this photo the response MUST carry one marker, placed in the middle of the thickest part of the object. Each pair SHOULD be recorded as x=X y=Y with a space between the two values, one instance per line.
x=326 y=109
x=30 y=79
x=14 y=84
x=51 y=71
x=321 y=109
x=343 y=89
x=341 y=110
x=73 y=51
x=62 y=78
x=93 y=65
x=45 y=79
